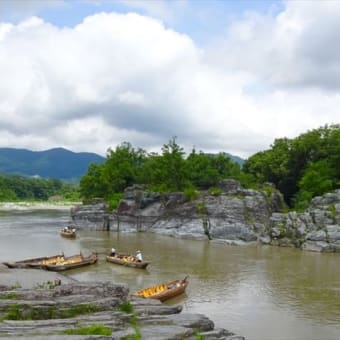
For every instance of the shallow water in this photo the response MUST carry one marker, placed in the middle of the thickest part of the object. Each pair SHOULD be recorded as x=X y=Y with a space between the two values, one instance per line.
x=260 y=292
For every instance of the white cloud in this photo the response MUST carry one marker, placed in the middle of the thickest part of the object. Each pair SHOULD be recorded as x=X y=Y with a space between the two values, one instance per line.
x=115 y=78
x=296 y=48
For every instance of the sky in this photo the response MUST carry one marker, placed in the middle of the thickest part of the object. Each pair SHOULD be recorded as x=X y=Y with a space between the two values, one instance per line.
x=219 y=76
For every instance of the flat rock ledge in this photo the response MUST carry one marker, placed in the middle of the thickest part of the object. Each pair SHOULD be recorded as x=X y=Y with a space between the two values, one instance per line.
x=51 y=313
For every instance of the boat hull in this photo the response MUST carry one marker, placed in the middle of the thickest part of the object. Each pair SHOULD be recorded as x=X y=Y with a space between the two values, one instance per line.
x=72 y=262
x=123 y=261
x=164 y=291
x=68 y=234
x=33 y=263
x=55 y=263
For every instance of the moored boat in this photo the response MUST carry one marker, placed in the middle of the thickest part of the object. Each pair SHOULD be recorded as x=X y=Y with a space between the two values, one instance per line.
x=127 y=260
x=68 y=233
x=55 y=263
x=35 y=262
x=164 y=291
x=71 y=262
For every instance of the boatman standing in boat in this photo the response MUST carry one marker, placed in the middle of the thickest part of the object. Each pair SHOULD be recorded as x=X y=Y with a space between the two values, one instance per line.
x=139 y=256
x=113 y=252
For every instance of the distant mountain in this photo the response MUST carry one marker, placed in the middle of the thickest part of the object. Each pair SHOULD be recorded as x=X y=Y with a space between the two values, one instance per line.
x=235 y=159
x=56 y=163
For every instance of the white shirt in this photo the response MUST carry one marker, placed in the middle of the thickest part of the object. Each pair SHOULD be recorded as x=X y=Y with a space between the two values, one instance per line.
x=139 y=257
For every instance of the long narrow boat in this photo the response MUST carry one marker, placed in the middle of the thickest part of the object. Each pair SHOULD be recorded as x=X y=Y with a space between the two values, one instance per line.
x=31 y=263
x=55 y=263
x=127 y=260
x=164 y=291
x=68 y=233
x=71 y=262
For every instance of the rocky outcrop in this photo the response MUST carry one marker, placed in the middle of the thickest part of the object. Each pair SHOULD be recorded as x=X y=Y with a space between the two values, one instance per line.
x=91 y=216
x=62 y=312
x=234 y=216
x=316 y=229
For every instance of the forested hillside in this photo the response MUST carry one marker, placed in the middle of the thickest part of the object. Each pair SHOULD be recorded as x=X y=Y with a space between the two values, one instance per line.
x=17 y=188
x=55 y=163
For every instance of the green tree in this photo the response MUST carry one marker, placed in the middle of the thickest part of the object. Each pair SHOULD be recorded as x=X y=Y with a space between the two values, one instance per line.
x=165 y=172
x=93 y=184
x=122 y=166
x=292 y=164
x=172 y=166
x=225 y=167
x=151 y=173
x=22 y=188
x=200 y=171
x=317 y=180
x=272 y=165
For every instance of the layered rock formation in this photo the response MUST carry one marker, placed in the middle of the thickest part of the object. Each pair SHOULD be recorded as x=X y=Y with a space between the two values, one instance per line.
x=70 y=311
x=235 y=216
x=316 y=229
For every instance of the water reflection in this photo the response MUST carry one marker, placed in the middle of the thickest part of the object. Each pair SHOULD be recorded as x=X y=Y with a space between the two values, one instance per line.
x=259 y=292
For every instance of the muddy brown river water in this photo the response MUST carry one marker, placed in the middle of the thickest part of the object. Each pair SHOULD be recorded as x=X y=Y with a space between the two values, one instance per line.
x=260 y=292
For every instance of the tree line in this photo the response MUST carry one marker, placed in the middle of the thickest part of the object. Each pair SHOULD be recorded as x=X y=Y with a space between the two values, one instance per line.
x=19 y=188
x=166 y=172
x=300 y=168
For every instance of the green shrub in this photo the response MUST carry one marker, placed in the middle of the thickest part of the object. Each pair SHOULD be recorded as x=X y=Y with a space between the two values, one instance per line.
x=332 y=210
x=202 y=209
x=126 y=307
x=95 y=329
x=115 y=199
x=191 y=194
x=215 y=191
x=9 y=296
x=77 y=310
x=13 y=312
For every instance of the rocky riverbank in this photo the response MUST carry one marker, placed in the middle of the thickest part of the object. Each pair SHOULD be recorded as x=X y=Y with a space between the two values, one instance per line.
x=74 y=310
x=235 y=216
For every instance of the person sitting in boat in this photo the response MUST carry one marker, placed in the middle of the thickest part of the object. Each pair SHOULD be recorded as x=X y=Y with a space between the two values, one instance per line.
x=113 y=252
x=74 y=230
x=65 y=228
x=139 y=256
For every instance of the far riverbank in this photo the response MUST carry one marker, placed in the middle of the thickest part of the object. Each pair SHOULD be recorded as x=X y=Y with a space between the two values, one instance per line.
x=62 y=205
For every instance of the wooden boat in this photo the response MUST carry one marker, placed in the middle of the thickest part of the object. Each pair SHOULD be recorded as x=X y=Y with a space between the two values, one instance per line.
x=71 y=262
x=126 y=260
x=35 y=262
x=55 y=263
x=68 y=233
x=164 y=291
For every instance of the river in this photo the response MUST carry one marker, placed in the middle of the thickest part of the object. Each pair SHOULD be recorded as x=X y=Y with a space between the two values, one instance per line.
x=260 y=292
